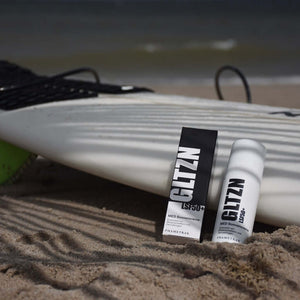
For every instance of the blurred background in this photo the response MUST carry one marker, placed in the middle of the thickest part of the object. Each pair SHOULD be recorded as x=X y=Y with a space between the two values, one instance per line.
x=155 y=43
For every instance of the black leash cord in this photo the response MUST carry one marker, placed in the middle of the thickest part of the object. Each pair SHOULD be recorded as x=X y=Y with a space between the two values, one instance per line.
x=77 y=71
x=240 y=74
x=45 y=80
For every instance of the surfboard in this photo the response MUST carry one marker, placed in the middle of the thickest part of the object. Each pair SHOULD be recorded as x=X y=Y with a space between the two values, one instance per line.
x=132 y=139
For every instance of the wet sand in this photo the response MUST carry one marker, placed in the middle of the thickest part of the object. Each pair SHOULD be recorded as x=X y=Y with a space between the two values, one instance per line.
x=283 y=95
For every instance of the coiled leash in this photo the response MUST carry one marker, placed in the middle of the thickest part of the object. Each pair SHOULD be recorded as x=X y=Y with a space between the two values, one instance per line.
x=239 y=73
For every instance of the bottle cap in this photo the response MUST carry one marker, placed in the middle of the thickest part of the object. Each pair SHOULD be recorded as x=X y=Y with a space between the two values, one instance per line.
x=248 y=156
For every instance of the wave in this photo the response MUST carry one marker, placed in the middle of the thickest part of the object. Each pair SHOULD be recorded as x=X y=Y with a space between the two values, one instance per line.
x=221 y=45
x=224 y=45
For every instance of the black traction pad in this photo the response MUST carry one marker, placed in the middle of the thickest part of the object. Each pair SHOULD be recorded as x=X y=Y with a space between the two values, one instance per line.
x=20 y=87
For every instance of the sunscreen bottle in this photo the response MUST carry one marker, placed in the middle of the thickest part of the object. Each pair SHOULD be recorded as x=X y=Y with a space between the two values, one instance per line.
x=240 y=192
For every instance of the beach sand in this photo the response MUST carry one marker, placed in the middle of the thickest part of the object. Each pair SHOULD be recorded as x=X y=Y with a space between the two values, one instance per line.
x=69 y=235
x=284 y=95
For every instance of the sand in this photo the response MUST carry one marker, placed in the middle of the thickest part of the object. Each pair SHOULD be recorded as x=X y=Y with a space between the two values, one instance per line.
x=69 y=235
x=284 y=95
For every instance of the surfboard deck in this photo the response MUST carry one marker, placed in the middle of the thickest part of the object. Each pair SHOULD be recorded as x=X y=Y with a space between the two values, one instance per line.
x=133 y=139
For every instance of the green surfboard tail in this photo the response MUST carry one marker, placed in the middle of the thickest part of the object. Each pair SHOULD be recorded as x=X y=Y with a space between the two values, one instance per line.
x=13 y=161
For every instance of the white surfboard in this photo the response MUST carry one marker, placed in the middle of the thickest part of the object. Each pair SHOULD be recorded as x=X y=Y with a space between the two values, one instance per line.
x=133 y=139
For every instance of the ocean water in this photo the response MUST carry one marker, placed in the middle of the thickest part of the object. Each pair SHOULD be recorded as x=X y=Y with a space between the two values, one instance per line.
x=145 y=42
